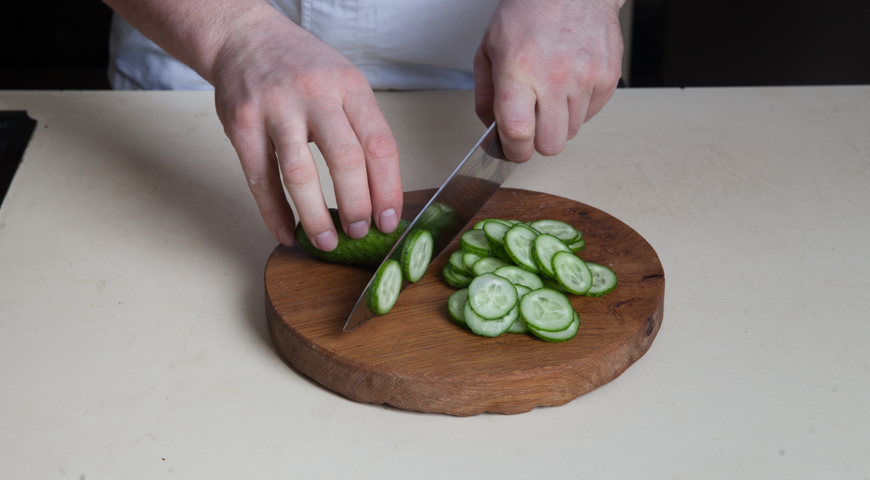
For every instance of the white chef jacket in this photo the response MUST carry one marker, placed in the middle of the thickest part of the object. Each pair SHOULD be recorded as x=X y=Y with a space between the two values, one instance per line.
x=397 y=44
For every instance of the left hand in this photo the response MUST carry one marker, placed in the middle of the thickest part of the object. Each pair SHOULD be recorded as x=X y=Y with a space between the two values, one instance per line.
x=544 y=68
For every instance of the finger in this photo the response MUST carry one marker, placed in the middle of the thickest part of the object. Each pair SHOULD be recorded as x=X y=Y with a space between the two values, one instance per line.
x=514 y=109
x=484 y=91
x=551 y=127
x=303 y=184
x=599 y=97
x=261 y=172
x=578 y=106
x=381 y=159
x=347 y=166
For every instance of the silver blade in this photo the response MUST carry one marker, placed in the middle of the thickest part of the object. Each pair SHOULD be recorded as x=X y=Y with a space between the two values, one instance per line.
x=467 y=189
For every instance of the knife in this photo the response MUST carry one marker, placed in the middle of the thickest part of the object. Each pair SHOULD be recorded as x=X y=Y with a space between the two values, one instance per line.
x=466 y=190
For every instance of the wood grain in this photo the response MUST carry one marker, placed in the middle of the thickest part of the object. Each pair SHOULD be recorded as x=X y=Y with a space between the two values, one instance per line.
x=414 y=358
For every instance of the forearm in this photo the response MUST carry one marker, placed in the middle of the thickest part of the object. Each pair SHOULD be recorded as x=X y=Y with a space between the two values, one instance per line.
x=196 y=31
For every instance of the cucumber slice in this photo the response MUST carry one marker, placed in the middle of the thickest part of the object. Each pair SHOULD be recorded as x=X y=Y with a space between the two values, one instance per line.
x=518 y=276
x=487 y=265
x=469 y=260
x=456 y=306
x=492 y=297
x=489 y=328
x=603 y=280
x=385 y=288
x=474 y=241
x=519 y=325
x=416 y=254
x=545 y=247
x=578 y=246
x=560 y=230
x=554 y=285
x=456 y=260
x=454 y=279
x=572 y=273
x=495 y=232
x=518 y=243
x=560 y=336
x=546 y=310
x=479 y=225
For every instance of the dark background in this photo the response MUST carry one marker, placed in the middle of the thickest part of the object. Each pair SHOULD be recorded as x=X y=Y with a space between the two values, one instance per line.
x=62 y=44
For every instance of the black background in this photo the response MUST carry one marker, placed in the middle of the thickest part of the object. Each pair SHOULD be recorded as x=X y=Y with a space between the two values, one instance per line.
x=63 y=44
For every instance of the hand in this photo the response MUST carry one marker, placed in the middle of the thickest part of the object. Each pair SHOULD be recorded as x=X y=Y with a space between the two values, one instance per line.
x=277 y=87
x=544 y=68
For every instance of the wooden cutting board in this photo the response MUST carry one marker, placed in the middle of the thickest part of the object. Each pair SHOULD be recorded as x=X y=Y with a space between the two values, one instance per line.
x=415 y=358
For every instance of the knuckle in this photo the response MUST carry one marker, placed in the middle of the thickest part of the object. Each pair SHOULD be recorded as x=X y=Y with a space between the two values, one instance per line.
x=345 y=157
x=262 y=186
x=244 y=116
x=519 y=130
x=381 y=147
x=299 y=172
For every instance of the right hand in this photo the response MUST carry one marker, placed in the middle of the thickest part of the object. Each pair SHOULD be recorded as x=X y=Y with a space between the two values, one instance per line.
x=277 y=87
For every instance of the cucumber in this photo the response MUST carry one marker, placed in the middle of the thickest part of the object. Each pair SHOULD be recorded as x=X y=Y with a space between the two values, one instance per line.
x=518 y=276
x=384 y=292
x=489 y=328
x=572 y=273
x=368 y=251
x=416 y=254
x=469 y=259
x=456 y=306
x=546 y=310
x=603 y=280
x=560 y=336
x=518 y=243
x=544 y=248
x=577 y=246
x=474 y=241
x=479 y=225
x=487 y=265
x=455 y=279
x=456 y=260
x=491 y=296
x=519 y=325
x=494 y=232
x=560 y=230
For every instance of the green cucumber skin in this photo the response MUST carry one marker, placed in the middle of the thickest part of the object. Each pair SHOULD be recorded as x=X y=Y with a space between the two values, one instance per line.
x=368 y=251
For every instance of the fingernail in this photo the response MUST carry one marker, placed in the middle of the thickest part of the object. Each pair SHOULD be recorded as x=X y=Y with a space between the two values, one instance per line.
x=285 y=236
x=388 y=221
x=326 y=241
x=358 y=229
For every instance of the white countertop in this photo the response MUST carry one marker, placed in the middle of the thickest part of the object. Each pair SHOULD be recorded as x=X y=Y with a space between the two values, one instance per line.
x=133 y=339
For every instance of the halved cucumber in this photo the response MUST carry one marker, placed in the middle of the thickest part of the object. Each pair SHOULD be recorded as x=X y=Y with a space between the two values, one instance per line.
x=560 y=336
x=518 y=276
x=518 y=243
x=546 y=310
x=384 y=292
x=416 y=254
x=545 y=247
x=572 y=273
x=603 y=280
x=487 y=265
x=489 y=328
x=474 y=241
x=560 y=230
x=456 y=306
x=491 y=296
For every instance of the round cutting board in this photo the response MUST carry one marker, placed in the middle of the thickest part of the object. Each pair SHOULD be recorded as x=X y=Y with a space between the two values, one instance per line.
x=415 y=358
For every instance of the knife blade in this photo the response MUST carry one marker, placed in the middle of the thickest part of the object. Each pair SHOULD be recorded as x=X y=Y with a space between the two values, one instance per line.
x=466 y=190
